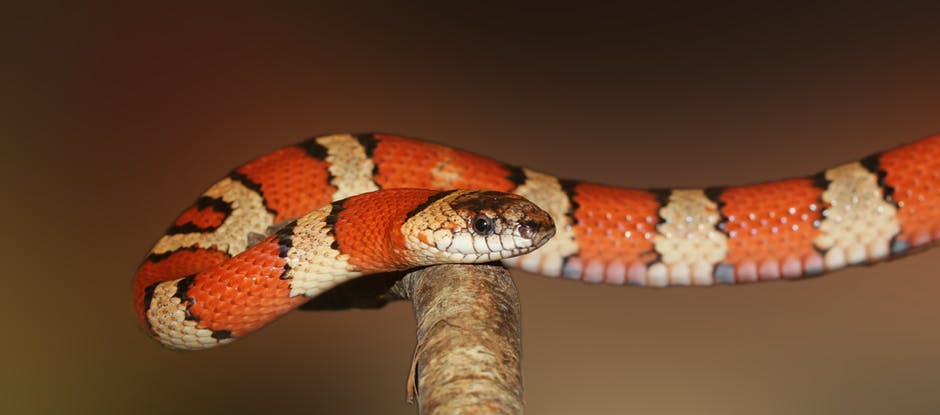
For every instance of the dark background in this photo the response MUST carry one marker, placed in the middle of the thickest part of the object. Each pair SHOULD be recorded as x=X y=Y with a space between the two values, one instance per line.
x=116 y=117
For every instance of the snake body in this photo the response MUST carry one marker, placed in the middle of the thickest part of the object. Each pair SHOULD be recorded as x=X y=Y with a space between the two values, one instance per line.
x=206 y=281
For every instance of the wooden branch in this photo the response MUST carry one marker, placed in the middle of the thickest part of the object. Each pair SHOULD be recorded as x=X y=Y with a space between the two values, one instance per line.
x=468 y=354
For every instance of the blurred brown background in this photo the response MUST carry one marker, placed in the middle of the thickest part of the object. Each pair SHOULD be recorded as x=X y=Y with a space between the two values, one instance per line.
x=115 y=117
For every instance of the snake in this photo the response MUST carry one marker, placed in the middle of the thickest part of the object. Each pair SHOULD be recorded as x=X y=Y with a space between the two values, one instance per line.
x=303 y=219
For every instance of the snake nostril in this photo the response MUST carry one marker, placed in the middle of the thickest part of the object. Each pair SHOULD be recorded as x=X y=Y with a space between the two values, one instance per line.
x=528 y=229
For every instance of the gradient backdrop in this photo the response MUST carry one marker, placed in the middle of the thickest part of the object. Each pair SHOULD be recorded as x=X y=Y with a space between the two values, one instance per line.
x=116 y=117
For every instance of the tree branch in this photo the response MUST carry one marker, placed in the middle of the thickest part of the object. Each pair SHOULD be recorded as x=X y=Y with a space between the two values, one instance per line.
x=468 y=354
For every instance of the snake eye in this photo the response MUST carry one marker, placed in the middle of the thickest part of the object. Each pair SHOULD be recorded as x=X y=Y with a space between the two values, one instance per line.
x=482 y=224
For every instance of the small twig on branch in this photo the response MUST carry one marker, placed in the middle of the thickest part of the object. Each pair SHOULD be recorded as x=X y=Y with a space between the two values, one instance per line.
x=468 y=356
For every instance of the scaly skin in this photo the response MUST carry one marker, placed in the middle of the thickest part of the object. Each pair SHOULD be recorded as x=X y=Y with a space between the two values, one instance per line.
x=881 y=207
x=382 y=231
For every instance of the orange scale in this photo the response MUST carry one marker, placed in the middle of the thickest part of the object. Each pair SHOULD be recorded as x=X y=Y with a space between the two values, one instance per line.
x=179 y=264
x=404 y=162
x=757 y=210
x=241 y=275
x=204 y=218
x=374 y=220
x=293 y=182
x=630 y=208
x=912 y=172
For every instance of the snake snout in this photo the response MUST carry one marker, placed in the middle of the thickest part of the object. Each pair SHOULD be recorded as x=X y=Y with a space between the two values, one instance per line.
x=538 y=229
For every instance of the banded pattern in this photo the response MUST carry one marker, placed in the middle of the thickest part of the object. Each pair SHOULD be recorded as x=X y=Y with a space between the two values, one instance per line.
x=381 y=231
x=882 y=206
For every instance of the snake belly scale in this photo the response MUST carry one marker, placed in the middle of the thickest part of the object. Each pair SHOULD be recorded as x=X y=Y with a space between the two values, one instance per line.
x=347 y=205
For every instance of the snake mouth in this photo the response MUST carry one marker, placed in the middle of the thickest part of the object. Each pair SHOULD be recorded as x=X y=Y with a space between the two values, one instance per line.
x=535 y=232
x=539 y=229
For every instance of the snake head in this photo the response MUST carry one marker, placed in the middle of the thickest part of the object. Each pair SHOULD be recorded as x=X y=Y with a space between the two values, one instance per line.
x=474 y=226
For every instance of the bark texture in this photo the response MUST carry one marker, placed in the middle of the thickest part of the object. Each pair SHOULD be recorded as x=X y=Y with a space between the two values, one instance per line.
x=468 y=354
